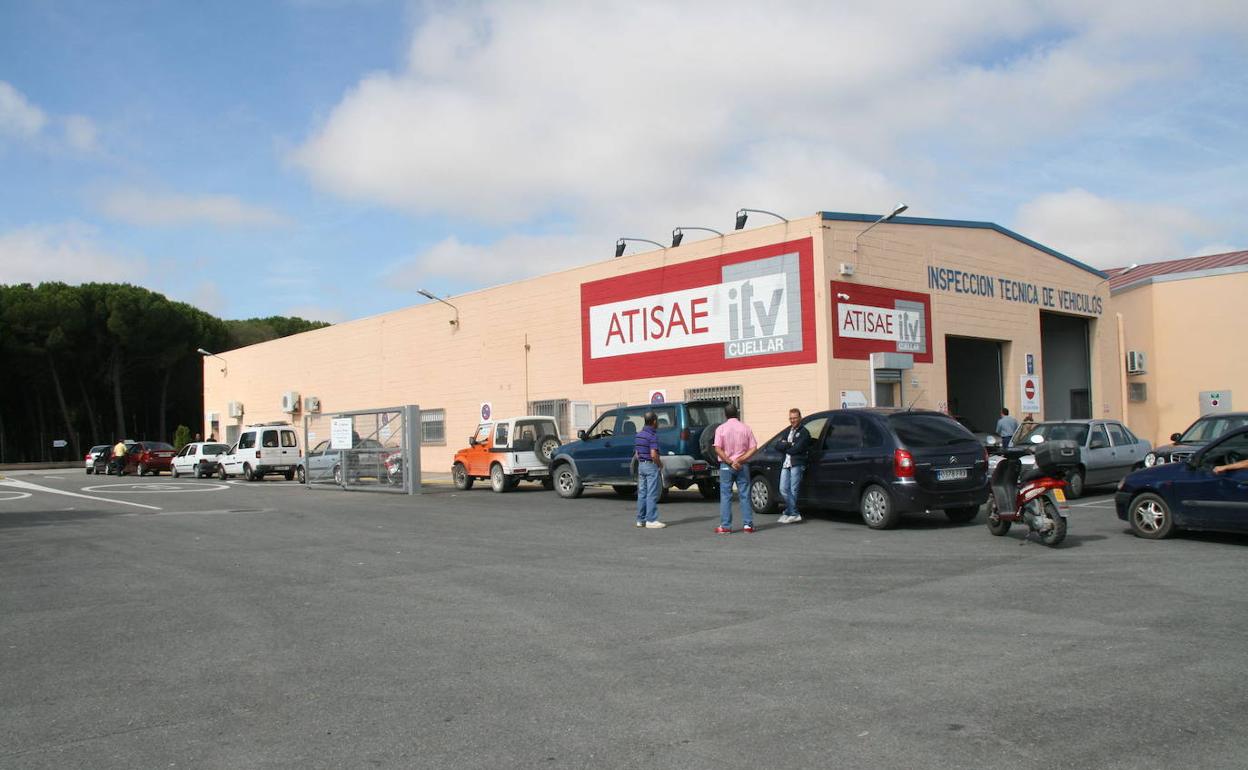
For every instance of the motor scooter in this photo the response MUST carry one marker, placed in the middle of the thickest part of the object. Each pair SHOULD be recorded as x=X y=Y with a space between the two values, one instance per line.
x=394 y=467
x=1029 y=486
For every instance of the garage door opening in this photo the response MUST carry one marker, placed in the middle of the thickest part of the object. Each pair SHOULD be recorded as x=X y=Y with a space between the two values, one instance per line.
x=974 y=381
x=1067 y=373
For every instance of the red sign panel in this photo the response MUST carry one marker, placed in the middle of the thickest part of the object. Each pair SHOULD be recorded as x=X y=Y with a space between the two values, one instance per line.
x=871 y=319
x=745 y=310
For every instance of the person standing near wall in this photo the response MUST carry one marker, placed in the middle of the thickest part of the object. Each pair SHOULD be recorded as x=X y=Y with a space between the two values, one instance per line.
x=1006 y=427
x=649 y=473
x=796 y=447
x=735 y=444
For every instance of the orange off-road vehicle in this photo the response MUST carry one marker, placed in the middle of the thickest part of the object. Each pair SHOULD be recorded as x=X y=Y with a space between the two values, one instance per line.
x=507 y=452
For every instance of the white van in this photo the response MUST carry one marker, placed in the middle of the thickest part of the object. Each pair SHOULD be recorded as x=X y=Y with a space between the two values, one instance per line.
x=270 y=447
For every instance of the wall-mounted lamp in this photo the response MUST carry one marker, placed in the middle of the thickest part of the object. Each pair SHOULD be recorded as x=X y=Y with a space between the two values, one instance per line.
x=678 y=234
x=841 y=296
x=224 y=363
x=900 y=208
x=619 y=245
x=742 y=215
x=454 y=321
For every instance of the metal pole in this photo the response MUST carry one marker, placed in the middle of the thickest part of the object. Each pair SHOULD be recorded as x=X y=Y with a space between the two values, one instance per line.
x=411 y=449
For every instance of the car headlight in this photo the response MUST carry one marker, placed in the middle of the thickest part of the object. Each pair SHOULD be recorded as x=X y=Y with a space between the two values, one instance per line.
x=1150 y=460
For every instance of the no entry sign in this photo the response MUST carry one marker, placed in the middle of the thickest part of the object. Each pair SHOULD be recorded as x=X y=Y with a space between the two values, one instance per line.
x=1029 y=387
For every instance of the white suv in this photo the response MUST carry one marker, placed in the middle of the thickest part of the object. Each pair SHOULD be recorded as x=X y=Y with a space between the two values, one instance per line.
x=270 y=447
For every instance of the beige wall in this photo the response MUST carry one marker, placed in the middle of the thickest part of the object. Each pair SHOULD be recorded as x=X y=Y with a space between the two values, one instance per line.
x=415 y=356
x=1190 y=330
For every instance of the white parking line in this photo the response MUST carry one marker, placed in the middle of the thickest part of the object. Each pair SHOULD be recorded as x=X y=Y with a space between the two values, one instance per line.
x=37 y=488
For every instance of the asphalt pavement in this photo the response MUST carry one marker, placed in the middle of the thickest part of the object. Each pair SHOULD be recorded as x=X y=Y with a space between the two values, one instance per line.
x=179 y=623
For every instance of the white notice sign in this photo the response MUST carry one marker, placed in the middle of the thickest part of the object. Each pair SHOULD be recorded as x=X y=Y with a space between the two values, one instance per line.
x=1029 y=394
x=853 y=399
x=340 y=433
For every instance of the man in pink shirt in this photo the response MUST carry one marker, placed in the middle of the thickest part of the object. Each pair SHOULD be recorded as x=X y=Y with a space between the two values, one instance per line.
x=735 y=444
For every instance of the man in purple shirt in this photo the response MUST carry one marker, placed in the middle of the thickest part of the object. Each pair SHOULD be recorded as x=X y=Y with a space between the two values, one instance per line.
x=735 y=445
x=649 y=471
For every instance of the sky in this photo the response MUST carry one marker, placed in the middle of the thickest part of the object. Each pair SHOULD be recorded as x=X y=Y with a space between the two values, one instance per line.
x=327 y=158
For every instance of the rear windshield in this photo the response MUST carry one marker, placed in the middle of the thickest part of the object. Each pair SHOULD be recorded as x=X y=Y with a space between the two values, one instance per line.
x=1057 y=431
x=157 y=445
x=928 y=430
x=703 y=414
x=213 y=449
x=1208 y=429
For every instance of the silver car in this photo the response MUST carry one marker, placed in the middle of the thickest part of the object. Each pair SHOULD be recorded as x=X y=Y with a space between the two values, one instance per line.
x=1108 y=451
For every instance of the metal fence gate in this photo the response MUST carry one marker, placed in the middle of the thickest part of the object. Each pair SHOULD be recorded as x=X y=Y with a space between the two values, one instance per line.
x=368 y=449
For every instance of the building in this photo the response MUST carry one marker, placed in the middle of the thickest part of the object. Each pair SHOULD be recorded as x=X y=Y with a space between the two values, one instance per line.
x=1181 y=320
x=813 y=313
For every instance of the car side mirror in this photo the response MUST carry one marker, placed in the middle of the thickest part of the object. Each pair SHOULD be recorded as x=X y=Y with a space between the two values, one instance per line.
x=472 y=441
x=1176 y=437
x=581 y=434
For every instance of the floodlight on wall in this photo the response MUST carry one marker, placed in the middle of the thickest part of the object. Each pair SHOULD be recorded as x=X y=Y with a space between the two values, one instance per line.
x=224 y=363
x=619 y=245
x=454 y=321
x=743 y=214
x=678 y=233
x=899 y=208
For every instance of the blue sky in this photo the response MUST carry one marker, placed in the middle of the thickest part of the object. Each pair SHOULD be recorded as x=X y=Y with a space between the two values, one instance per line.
x=327 y=158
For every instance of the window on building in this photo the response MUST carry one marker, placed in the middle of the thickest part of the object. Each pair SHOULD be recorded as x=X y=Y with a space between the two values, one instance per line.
x=433 y=427
x=732 y=393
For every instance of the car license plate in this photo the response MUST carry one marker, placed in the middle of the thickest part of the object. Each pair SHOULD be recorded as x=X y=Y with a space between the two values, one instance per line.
x=1060 y=495
x=950 y=474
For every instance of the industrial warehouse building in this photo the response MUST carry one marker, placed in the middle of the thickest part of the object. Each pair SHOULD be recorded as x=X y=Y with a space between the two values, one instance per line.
x=831 y=309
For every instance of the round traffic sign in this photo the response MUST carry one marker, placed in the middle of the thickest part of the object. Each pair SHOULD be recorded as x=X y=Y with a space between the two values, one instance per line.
x=485 y=411
x=1029 y=389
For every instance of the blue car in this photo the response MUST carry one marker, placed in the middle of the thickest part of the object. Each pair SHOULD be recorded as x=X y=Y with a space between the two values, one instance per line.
x=1189 y=495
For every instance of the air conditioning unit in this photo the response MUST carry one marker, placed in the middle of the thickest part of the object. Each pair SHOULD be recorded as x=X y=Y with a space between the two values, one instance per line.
x=234 y=409
x=311 y=403
x=290 y=401
x=1135 y=362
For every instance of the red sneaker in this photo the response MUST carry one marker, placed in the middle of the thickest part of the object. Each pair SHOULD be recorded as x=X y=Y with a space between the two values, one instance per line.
x=748 y=528
x=723 y=531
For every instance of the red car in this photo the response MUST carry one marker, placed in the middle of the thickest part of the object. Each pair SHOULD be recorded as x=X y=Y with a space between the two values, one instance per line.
x=147 y=457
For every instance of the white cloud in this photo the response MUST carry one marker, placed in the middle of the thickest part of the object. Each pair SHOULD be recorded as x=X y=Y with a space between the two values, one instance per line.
x=1109 y=233
x=80 y=133
x=17 y=115
x=168 y=210
x=68 y=252
x=512 y=257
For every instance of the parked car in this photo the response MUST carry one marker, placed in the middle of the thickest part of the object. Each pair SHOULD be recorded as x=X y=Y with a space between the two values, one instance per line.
x=1197 y=435
x=1108 y=451
x=507 y=452
x=104 y=463
x=603 y=455
x=198 y=459
x=365 y=459
x=270 y=447
x=96 y=454
x=144 y=457
x=882 y=463
x=1159 y=500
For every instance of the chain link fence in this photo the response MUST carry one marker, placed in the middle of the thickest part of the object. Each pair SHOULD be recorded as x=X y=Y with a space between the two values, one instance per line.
x=367 y=449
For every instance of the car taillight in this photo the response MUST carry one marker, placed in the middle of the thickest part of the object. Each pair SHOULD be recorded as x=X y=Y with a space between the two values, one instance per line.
x=684 y=435
x=698 y=467
x=903 y=464
x=88 y=456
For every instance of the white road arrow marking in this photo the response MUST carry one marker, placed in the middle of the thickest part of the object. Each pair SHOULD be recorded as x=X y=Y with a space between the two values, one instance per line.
x=37 y=488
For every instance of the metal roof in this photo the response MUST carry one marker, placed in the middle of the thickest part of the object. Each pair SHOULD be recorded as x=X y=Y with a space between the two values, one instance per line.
x=1188 y=267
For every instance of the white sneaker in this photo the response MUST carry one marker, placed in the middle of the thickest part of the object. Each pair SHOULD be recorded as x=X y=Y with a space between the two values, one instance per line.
x=639 y=524
x=655 y=525
x=795 y=518
x=785 y=519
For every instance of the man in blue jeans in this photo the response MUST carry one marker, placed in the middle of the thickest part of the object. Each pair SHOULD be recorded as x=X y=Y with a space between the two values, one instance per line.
x=735 y=445
x=649 y=473
x=796 y=448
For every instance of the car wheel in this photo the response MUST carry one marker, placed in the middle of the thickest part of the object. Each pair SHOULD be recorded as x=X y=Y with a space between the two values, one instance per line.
x=498 y=479
x=962 y=515
x=567 y=483
x=142 y=469
x=290 y=475
x=459 y=474
x=89 y=470
x=1056 y=533
x=221 y=474
x=547 y=446
x=763 y=497
x=247 y=472
x=1150 y=517
x=877 y=508
x=173 y=471
x=301 y=475
x=1075 y=483
x=338 y=478
x=625 y=490
x=198 y=472
x=709 y=490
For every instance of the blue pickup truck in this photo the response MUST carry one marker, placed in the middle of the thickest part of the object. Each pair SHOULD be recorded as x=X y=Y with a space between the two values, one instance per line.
x=603 y=455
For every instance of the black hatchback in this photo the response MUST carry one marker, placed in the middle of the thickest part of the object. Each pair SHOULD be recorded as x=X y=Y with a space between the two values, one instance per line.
x=882 y=463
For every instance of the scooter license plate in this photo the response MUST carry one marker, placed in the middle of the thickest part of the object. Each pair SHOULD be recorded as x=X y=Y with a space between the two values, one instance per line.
x=1060 y=495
